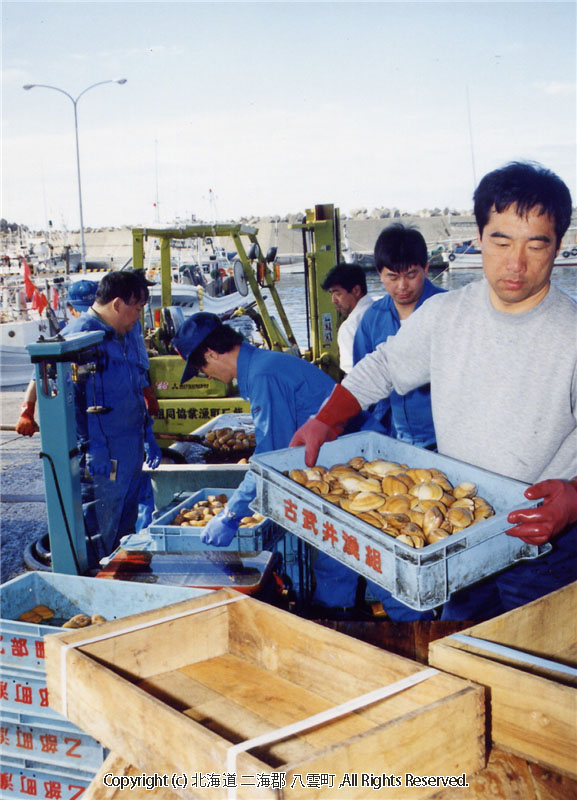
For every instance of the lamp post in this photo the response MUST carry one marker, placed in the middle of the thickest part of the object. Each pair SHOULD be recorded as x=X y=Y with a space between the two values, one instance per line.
x=75 y=103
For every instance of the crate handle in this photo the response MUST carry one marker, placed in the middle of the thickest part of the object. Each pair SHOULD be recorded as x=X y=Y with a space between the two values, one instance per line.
x=321 y=718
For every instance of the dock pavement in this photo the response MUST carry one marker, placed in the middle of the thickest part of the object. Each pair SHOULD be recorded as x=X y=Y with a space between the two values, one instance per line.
x=22 y=501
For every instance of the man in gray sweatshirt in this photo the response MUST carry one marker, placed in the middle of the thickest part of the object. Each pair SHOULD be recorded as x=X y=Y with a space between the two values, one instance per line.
x=501 y=357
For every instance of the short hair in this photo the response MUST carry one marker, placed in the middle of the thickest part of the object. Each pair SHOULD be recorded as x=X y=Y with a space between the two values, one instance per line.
x=525 y=185
x=400 y=247
x=223 y=339
x=346 y=275
x=126 y=284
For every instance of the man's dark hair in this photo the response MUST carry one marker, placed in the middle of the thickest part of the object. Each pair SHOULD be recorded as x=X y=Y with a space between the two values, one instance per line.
x=222 y=340
x=129 y=285
x=526 y=186
x=400 y=247
x=346 y=275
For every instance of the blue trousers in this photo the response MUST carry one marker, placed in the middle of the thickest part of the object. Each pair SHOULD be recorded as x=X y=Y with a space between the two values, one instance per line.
x=336 y=587
x=519 y=584
x=110 y=508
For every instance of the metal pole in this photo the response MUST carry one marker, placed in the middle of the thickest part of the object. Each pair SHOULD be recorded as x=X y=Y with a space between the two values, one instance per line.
x=82 y=242
x=75 y=103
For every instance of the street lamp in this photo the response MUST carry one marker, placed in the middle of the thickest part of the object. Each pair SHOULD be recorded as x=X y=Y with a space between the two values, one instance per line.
x=74 y=103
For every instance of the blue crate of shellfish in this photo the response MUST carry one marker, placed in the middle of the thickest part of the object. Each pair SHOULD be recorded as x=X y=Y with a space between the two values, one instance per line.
x=173 y=532
x=420 y=573
x=22 y=642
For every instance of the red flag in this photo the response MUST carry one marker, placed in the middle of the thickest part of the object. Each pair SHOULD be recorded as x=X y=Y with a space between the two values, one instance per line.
x=39 y=301
x=29 y=287
x=54 y=298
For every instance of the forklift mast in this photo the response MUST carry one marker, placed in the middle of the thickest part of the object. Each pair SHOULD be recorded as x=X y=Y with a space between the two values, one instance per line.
x=185 y=408
x=322 y=251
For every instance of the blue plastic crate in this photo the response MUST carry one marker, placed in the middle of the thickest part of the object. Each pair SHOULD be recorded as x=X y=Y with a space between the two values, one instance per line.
x=45 y=743
x=21 y=643
x=25 y=692
x=163 y=535
x=420 y=578
x=23 y=779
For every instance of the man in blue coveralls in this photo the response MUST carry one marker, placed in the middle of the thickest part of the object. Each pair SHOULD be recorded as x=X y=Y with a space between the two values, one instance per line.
x=283 y=391
x=113 y=425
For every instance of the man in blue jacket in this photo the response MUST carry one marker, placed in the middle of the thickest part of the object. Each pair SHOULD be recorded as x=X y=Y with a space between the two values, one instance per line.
x=113 y=426
x=283 y=391
x=402 y=261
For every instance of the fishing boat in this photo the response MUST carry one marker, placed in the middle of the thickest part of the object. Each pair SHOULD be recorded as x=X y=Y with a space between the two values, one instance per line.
x=20 y=325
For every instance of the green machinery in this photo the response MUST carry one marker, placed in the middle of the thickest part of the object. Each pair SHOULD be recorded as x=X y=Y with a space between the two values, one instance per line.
x=183 y=409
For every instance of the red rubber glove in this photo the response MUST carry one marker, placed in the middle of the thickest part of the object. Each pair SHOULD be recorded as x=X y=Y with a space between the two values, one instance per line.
x=559 y=509
x=337 y=409
x=26 y=426
x=151 y=401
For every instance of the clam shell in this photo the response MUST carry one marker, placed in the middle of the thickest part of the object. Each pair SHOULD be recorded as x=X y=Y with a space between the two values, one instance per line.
x=410 y=529
x=460 y=517
x=298 y=475
x=427 y=491
x=406 y=539
x=433 y=518
x=358 y=484
x=393 y=486
x=464 y=502
x=417 y=517
x=436 y=535
x=399 y=504
x=357 y=462
x=395 y=521
x=465 y=489
x=420 y=475
x=320 y=487
x=366 y=501
x=379 y=467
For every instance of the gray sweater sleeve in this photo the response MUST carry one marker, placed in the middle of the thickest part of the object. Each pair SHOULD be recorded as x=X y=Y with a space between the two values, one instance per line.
x=400 y=364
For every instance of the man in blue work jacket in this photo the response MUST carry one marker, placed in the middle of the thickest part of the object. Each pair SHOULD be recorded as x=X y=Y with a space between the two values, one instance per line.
x=113 y=426
x=402 y=261
x=283 y=392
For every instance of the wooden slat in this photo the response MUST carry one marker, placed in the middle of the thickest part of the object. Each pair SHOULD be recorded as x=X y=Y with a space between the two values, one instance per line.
x=545 y=627
x=224 y=716
x=533 y=716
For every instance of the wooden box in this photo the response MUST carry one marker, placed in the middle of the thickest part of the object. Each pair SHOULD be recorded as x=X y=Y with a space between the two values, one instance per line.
x=530 y=670
x=171 y=691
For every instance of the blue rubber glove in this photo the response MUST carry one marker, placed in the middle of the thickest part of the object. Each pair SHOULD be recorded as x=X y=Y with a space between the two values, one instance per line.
x=152 y=452
x=98 y=461
x=221 y=530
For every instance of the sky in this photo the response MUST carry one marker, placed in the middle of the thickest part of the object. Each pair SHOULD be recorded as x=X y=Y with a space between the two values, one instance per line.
x=241 y=109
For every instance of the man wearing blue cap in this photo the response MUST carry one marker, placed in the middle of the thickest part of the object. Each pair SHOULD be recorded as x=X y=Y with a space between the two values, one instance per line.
x=283 y=392
x=115 y=436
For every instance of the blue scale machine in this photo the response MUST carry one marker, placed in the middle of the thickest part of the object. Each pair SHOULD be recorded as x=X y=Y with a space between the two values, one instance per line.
x=163 y=553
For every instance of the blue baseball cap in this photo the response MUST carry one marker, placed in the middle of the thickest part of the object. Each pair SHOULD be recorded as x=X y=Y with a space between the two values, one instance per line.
x=191 y=335
x=81 y=295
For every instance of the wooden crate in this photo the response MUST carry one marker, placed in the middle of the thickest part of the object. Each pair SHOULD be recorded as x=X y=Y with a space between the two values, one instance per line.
x=533 y=707
x=170 y=691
